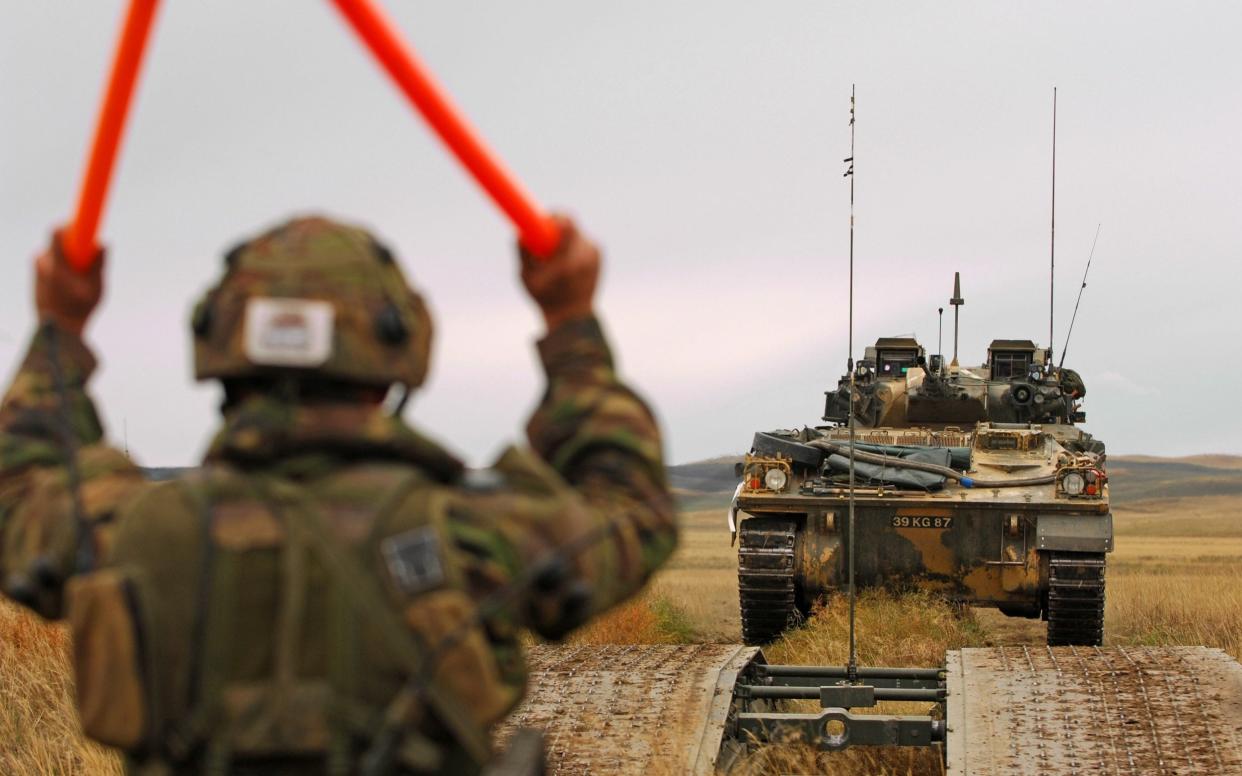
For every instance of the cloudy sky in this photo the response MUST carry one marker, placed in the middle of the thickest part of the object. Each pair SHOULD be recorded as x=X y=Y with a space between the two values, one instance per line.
x=701 y=144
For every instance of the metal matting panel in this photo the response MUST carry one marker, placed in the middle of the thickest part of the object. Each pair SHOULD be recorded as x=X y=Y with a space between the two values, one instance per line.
x=624 y=709
x=1120 y=711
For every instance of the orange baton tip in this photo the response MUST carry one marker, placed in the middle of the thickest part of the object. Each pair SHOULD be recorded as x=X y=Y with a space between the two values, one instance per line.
x=79 y=244
x=537 y=232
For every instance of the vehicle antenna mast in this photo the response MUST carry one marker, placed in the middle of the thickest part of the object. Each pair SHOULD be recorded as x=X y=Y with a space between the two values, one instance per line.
x=957 y=301
x=1052 y=250
x=1077 y=301
x=852 y=668
x=940 y=339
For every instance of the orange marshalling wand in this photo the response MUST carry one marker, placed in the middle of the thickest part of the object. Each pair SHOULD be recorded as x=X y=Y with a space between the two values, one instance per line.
x=537 y=231
x=79 y=239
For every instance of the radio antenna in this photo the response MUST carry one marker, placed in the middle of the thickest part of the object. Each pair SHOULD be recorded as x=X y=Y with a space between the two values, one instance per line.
x=1052 y=250
x=1081 y=288
x=957 y=301
x=940 y=339
x=852 y=668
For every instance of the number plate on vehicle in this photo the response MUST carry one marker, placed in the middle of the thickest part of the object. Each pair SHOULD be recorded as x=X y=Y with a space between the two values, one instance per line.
x=922 y=521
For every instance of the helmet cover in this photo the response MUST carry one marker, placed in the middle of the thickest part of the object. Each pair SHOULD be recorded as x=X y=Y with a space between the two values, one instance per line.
x=313 y=297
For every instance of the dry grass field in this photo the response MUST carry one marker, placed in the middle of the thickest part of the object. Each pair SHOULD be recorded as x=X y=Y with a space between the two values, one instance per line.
x=1175 y=578
x=39 y=733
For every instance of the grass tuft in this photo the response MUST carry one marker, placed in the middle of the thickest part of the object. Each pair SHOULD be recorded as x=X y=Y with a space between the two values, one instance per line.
x=649 y=619
x=911 y=629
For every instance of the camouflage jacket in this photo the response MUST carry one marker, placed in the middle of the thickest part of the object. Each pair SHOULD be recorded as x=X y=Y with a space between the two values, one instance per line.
x=328 y=577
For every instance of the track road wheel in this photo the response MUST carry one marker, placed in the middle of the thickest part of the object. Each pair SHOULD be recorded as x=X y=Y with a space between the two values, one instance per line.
x=765 y=577
x=1075 y=599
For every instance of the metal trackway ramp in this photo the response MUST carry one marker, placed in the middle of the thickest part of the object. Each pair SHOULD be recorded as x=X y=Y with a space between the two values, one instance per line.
x=624 y=709
x=1084 y=710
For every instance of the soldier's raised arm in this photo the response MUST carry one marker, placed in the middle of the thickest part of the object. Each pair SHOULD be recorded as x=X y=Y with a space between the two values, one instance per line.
x=59 y=483
x=587 y=517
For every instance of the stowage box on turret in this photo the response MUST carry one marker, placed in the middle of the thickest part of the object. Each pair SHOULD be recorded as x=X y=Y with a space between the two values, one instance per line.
x=975 y=483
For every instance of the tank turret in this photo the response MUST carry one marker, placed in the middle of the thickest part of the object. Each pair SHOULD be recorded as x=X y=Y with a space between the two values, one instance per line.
x=895 y=385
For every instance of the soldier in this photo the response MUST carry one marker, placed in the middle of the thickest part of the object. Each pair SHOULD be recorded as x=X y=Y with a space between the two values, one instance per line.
x=331 y=592
x=1071 y=383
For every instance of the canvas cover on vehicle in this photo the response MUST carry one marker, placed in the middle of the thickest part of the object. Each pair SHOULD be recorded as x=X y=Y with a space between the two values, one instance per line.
x=880 y=474
x=959 y=456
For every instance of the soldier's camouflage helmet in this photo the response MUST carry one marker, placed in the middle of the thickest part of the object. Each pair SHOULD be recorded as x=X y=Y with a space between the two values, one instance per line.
x=313 y=297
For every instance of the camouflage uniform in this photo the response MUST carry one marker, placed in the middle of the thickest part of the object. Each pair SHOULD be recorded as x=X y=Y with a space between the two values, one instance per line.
x=329 y=578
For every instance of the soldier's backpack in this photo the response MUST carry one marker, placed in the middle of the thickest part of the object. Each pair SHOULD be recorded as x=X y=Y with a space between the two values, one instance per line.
x=336 y=584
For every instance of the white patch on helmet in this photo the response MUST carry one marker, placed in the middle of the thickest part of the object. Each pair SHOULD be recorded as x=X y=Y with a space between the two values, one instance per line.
x=288 y=332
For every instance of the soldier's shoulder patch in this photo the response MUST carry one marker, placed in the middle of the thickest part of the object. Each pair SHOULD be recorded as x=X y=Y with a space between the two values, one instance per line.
x=414 y=560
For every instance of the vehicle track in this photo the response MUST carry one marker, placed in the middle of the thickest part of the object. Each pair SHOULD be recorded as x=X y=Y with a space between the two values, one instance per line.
x=1076 y=598
x=765 y=577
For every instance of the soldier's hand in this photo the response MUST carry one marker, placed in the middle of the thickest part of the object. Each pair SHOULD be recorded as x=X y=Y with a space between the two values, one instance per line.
x=563 y=285
x=64 y=295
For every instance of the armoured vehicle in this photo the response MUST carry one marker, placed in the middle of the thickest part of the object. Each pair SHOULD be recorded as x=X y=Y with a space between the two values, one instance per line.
x=972 y=482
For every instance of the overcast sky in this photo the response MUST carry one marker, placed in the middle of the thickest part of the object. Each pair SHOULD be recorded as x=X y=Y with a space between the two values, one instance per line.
x=701 y=144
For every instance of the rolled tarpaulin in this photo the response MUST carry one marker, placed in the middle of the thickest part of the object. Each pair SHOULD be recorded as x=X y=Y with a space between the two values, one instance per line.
x=959 y=457
x=896 y=475
x=946 y=471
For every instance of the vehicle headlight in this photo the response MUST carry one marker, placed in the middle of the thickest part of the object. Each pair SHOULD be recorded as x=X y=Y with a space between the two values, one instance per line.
x=1073 y=483
x=775 y=479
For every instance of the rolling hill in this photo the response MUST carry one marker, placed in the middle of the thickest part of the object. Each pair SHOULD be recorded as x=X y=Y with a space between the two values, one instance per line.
x=1132 y=478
